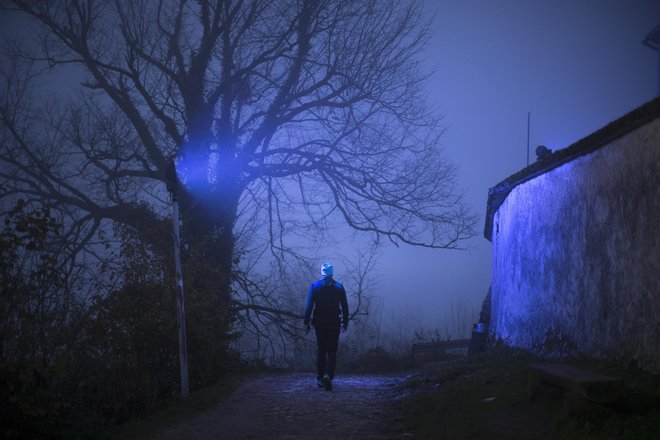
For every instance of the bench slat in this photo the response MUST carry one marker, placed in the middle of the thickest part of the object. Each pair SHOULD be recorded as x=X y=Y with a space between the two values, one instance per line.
x=572 y=374
x=425 y=347
x=591 y=385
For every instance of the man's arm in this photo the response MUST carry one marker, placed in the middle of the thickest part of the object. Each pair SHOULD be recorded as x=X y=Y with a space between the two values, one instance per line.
x=309 y=306
x=344 y=307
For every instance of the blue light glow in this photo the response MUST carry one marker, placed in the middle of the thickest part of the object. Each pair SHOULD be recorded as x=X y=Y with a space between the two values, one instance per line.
x=193 y=172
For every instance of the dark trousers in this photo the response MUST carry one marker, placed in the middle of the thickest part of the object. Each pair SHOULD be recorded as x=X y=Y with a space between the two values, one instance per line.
x=327 y=340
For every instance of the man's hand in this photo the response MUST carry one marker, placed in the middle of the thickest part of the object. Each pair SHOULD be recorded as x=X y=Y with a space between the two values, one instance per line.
x=307 y=328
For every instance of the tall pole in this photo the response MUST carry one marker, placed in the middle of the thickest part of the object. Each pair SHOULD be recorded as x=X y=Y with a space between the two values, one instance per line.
x=658 y=74
x=180 y=303
x=172 y=182
x=657 y=51
x=652 y=40
x=528 y=113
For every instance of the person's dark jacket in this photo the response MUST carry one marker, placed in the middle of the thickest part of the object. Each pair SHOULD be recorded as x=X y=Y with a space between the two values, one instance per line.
x=325 y=296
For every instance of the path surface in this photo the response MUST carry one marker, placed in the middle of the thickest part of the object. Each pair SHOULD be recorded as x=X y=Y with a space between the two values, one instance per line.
x=283 y=407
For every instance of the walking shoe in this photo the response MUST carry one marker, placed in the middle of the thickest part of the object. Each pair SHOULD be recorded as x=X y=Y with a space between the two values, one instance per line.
x=327 y=383
x=319 y=383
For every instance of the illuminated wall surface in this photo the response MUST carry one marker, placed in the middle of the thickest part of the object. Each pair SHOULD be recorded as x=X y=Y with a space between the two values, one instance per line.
x=576 y=254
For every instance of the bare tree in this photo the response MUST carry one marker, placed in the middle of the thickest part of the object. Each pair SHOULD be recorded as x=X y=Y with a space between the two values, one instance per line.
x=282 y=116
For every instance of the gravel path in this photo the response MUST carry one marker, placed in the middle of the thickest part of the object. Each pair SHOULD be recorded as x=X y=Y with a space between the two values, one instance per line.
x=291 y=406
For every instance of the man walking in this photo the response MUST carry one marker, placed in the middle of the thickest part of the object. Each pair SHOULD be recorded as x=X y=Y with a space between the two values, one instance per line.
x=324 y=298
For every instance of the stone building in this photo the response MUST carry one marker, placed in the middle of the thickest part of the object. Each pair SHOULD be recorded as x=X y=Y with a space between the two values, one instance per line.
x=576 y=246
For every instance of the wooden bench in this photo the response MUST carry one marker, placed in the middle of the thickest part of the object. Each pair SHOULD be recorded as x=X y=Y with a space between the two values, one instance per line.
x=589 y=385
x=439 y=346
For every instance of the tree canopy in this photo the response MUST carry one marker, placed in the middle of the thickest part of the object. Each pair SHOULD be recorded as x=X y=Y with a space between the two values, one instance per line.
x=282 y=117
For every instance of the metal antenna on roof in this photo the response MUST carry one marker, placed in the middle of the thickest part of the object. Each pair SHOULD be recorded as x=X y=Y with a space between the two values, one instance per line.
x=528 y=115
x=652 y=40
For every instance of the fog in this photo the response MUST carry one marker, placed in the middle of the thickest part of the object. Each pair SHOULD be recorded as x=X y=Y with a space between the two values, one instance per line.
x=291 y=121
x=574 y=66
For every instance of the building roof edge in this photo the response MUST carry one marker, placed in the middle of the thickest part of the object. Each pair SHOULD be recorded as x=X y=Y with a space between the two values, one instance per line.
x=614 y=130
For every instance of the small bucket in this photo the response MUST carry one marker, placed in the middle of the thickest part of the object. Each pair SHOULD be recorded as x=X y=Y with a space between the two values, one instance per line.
x=478 y=340
x=479 y=327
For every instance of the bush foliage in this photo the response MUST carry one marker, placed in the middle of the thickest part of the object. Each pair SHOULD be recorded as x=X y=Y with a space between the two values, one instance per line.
x=70 y=367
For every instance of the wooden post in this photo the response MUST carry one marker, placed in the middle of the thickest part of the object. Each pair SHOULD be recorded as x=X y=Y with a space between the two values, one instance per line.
x=172 y=183
x=180 y=303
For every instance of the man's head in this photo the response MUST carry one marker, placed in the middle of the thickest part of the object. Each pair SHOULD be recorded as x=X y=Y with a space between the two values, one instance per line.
x=326 y=269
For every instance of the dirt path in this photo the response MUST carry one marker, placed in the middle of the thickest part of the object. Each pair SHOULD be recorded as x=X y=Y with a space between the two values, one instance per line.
x=282 y=407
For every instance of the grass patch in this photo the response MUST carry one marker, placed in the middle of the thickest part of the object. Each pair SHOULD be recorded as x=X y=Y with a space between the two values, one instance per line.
x=485 y=397
x=178 y=411
x=375 y=361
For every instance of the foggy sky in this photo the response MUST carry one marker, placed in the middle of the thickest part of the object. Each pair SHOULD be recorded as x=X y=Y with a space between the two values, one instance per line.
x=574 y=65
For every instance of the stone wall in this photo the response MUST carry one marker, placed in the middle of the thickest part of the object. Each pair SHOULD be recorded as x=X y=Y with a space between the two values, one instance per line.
x=576 y=255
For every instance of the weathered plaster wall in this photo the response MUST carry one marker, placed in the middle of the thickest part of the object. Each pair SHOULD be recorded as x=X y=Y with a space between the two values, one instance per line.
x=576 y=255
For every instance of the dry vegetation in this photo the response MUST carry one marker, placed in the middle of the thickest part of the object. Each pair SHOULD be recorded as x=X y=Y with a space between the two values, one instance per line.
x=485 y=397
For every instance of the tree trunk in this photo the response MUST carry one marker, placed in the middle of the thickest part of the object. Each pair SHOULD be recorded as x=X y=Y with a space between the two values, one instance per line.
x=208 y=230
